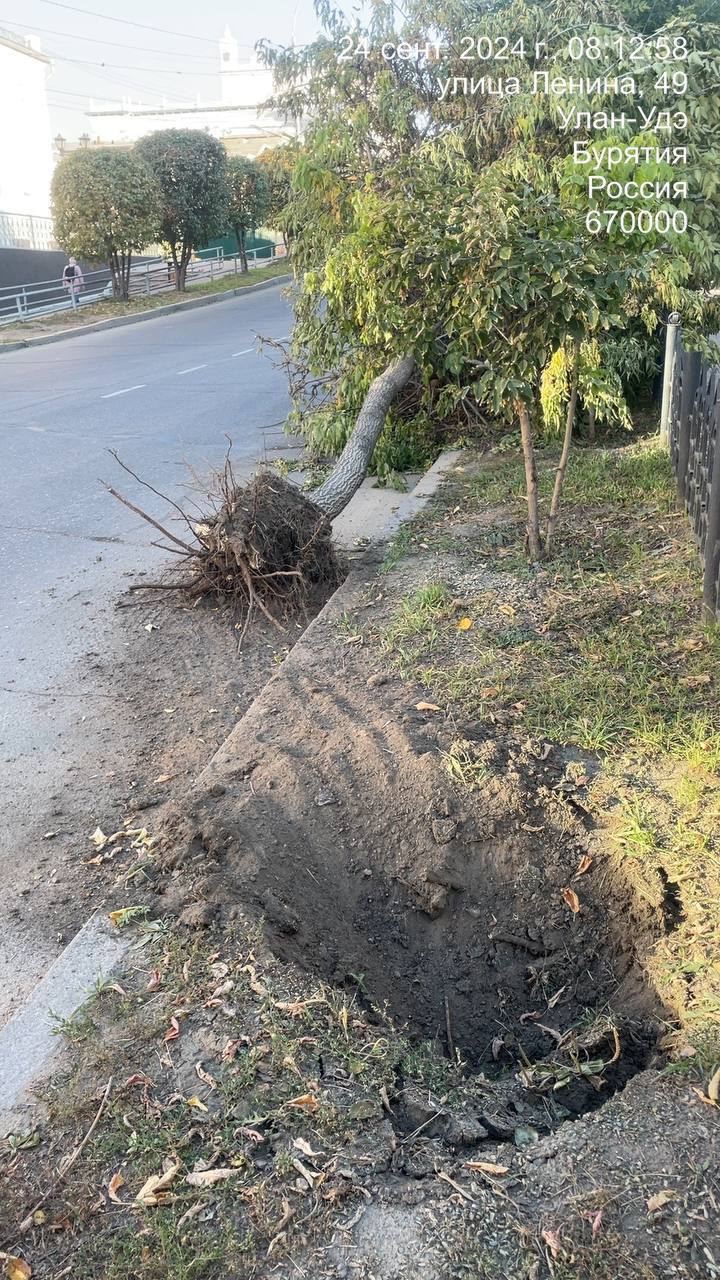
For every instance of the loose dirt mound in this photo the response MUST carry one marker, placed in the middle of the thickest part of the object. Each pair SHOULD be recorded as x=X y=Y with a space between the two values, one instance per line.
x=329 y=811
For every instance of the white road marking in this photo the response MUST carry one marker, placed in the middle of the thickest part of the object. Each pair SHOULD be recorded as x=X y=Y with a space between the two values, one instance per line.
x=138 y=386
x=192 y=369
x=246 y=352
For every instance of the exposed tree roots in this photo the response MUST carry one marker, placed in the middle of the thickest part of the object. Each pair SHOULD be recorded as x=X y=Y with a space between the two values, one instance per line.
x=265 y=548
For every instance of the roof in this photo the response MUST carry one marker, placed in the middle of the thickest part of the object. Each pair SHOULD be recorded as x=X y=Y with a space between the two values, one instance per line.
x=21 y=44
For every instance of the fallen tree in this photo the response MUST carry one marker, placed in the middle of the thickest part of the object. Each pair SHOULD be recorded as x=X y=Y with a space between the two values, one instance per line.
x=265 y=546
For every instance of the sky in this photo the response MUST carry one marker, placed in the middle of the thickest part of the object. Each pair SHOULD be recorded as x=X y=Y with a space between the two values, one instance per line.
x=95 y=55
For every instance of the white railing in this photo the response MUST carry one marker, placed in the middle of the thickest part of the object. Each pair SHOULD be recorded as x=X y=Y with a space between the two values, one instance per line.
x=19 y=303
x=26 y=231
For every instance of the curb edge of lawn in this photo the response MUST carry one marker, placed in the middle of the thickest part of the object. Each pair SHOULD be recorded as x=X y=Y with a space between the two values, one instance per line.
x=119 y=322
x=29 y=1043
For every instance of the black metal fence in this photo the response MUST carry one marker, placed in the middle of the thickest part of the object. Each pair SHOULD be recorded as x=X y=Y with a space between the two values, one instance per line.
x=695 y=451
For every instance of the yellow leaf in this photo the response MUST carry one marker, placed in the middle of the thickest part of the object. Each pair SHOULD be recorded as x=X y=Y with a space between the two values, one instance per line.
x=657 y=1201
x=196 y=1102
x=464 y=624
x=572 y=900
x=426 y=706
x=15 y=1268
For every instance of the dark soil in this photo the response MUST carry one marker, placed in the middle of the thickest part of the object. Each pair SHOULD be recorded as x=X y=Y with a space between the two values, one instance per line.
x=329 y=813
x=155 y=703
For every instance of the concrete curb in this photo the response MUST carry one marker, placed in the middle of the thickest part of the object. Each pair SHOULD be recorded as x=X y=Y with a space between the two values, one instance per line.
x=28 y=1045
x=119 y=322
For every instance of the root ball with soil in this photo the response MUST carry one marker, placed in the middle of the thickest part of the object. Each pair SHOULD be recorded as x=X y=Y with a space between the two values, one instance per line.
x=263 y=547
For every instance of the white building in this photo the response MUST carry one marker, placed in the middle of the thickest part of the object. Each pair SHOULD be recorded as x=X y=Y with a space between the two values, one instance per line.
x=26 y=160
x=237 y=117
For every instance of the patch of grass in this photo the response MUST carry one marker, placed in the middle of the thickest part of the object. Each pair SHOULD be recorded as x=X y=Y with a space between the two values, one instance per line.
x=463 y=765
x=607 y=653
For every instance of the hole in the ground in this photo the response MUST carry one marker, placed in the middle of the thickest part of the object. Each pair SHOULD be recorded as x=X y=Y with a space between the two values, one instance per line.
x=672 y=907
x=466 y=912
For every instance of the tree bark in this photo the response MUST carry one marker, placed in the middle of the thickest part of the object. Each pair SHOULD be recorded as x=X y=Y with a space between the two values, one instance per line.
x=531 y=483
x=240 y=237
x=349 y=471
x=562 y=465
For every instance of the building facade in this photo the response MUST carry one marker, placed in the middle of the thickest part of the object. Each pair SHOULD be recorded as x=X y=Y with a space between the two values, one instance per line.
x=26 y=160
x=237 y=116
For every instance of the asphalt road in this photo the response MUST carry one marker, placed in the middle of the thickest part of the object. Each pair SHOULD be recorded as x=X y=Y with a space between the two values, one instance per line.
x=161 y=393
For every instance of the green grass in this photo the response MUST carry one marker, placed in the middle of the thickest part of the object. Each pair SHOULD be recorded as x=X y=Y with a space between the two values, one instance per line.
x=614 y=659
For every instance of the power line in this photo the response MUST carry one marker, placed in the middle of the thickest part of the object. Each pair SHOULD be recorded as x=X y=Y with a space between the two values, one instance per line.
x=75 y=93
x=129 y=66
x=68 y=35
x=107 y=17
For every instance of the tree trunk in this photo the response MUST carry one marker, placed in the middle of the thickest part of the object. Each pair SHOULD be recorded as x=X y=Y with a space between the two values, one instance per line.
x=562 y=465
x=127 y=263
x=176 y=265
x=531 y=483
x=349 y=471
x=240 y=237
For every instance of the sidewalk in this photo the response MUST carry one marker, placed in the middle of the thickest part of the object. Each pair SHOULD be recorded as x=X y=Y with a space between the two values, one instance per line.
x=113 y=315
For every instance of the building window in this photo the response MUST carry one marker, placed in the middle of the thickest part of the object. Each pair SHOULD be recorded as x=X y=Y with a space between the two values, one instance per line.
x=226 y=57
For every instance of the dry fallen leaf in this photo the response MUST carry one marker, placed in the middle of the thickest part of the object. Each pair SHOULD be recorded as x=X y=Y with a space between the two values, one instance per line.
x=426 y=706
x=714 y=1087
x=116 y=1182
x=584 y=864
x=204 y=1076
x=151 y=1191
x=154 y=980
x=307 y=1100
x=661 y=1198
x=15 y=1268
x=486 y=1166
x=572 y=900
x=173 y=1030
x=554 y=1243
x=464 y=624
x=98 y=838
x=306 y=1149
x=164 y=777
x=196 y=1102
x=207 y=1177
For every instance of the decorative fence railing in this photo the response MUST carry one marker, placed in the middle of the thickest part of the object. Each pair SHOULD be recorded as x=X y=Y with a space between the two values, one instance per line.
x=153 y=275
x=695 y=451
x=25 y=231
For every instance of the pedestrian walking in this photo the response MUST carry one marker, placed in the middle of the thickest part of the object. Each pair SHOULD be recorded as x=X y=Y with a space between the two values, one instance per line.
x=73 y=280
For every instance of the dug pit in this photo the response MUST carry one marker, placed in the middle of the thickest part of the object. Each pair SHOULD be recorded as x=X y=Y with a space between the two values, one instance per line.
x=472 y=912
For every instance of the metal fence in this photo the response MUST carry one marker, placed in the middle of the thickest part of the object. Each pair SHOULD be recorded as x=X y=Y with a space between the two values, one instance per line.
x=19 y=303
x=25 y=231
x=695 y=451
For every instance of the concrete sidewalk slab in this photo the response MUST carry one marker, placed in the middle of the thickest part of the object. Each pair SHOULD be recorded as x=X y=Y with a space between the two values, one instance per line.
x=28 y=1042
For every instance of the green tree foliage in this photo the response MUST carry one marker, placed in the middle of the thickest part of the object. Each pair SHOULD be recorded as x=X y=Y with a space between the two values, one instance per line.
x=190 y=169
x=278 y=164
x=249 y=200
x=453 y=226
x=106 y=206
